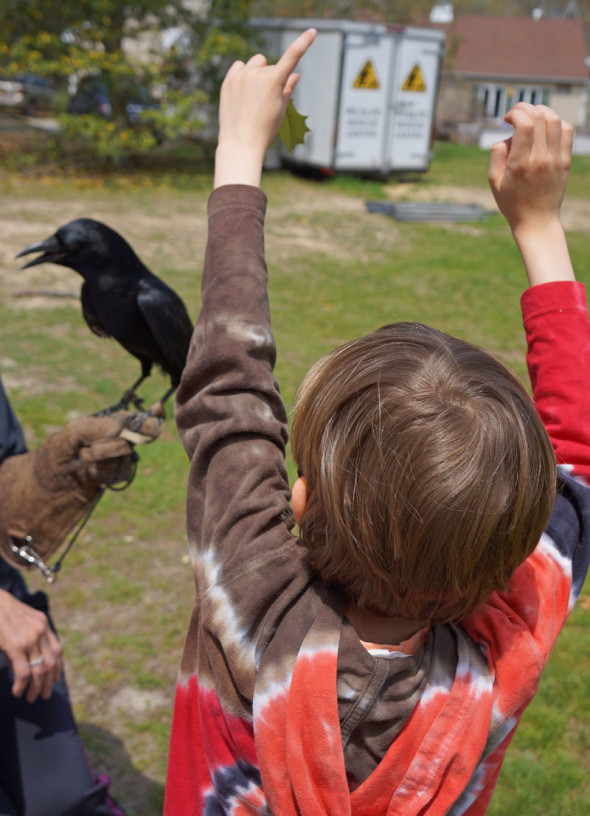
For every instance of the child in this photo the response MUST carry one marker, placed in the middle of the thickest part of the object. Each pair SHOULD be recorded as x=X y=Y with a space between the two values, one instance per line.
x=379 y=663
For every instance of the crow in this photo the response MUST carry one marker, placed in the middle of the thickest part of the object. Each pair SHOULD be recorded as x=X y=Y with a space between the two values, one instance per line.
x=122 y=299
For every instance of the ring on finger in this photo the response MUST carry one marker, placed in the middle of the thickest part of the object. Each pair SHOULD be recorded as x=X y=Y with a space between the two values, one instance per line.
x=36 y=662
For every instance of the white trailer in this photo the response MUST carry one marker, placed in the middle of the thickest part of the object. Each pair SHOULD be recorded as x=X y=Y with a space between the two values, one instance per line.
x=369 y=92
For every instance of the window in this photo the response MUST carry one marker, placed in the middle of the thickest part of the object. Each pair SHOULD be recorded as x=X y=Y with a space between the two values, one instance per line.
x=533 y=94
x=496 y=100
x=493 y=99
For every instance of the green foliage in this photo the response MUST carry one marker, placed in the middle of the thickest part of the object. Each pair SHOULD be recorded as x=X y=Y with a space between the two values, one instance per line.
x=107 y=139
x=124 y=44
x=293 y=128
x=403 y=11
x=395 y=11
x=219 y=38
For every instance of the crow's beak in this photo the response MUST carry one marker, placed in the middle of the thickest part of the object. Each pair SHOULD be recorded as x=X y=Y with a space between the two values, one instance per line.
x=52 y=252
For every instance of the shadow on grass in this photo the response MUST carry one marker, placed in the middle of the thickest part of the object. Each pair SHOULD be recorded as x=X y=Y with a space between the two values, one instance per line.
x=137 y=794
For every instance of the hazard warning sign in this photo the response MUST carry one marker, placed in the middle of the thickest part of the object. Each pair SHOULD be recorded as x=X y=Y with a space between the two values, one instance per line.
x=367 y=77
x=415 y=80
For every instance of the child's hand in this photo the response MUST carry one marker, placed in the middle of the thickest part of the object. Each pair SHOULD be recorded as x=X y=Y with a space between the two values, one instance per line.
x=528 y=173
x=253 y=99
x=528 y=176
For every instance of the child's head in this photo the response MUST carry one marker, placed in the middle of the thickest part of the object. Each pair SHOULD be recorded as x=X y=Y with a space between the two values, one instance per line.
x=430 y=476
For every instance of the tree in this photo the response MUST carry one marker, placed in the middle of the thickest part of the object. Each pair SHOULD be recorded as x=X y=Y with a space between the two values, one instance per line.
x=390 y=11
x=177 y=49
x=409 y=11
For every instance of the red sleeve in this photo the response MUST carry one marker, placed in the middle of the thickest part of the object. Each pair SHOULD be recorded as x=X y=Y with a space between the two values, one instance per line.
x=558 y=335
x=520 y=625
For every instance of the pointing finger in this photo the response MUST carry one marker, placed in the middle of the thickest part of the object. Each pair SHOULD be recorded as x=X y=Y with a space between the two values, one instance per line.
x=287 y=63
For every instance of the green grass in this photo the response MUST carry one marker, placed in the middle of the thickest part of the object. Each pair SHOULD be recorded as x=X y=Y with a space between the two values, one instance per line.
x=467 y=166
x=124 y=597
x=458 y=164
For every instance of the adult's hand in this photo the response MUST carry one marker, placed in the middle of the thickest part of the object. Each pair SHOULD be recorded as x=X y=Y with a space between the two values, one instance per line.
x=31 y=647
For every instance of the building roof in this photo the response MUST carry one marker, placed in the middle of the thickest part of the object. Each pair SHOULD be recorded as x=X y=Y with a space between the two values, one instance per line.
x=516 y=47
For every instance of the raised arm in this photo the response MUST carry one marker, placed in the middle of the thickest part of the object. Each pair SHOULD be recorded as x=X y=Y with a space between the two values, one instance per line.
x=253 y=100
x=528 y=176
x=229 y=412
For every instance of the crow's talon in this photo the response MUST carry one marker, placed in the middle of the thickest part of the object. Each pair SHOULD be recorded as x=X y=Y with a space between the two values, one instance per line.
x=131 y=398
x=157 y=410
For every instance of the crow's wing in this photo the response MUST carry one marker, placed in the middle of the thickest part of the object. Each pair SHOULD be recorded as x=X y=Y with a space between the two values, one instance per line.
x=89 y=313
x=169 y=322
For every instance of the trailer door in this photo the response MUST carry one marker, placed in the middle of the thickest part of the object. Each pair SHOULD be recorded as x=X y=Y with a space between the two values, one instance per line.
x=316 y=96
x=362 y=120
x=414 y=92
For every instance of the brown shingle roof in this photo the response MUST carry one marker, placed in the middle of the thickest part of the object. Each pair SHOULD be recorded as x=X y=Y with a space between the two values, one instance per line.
x=516 y=47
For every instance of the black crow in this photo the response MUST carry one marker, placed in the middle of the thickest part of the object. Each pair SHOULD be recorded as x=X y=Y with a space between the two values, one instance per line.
x=121 y=298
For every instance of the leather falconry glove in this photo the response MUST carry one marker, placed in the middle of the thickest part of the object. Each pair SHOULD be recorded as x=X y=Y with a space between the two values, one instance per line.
x=46 y=492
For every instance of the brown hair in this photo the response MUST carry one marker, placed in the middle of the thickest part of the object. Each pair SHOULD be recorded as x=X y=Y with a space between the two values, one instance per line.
x=430 y=475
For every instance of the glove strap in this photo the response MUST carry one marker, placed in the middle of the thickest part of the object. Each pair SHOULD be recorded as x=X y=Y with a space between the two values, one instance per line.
x=32 y=558
x=28 y=553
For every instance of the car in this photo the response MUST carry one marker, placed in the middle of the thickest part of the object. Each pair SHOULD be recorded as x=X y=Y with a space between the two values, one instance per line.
x=92 y=97
x=27 y=93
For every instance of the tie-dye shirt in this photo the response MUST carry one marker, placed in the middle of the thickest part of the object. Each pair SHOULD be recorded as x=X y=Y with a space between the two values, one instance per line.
x=279 y=708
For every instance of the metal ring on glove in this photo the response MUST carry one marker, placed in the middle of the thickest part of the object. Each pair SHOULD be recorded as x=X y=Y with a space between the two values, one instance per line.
x=36 y=662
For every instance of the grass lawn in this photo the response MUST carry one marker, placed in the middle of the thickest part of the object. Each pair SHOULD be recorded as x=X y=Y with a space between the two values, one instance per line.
x=124 y=597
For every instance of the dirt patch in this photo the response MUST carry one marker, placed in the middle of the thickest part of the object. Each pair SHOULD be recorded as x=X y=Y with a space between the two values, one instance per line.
x=322 y=221
x=138 y=703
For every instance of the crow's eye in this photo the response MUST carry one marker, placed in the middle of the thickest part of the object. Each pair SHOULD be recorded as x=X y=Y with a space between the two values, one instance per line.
x=74 y=247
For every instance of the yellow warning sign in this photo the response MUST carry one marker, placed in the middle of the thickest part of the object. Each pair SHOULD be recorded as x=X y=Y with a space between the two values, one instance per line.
x=367 y=77
x=415 y=80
